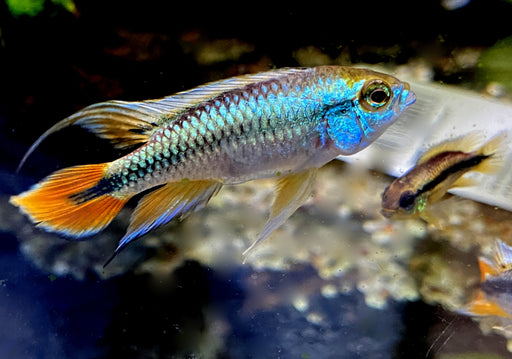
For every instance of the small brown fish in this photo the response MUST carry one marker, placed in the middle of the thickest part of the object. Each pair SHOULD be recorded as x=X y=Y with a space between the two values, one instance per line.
x=438 y=170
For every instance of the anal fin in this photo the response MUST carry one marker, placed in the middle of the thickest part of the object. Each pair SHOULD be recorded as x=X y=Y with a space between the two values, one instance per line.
x=291 y=192
x=175 y=199
x=464 y=182
x=483 y=307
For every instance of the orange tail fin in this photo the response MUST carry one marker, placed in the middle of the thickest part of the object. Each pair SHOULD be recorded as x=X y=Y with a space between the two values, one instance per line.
x=71 y=201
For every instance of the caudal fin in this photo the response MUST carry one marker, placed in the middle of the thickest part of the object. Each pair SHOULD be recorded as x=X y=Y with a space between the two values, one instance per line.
x=71 y=201
x=495 y=148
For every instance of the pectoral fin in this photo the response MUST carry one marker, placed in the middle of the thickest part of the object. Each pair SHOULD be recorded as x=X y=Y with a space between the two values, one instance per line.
x=486 y=269
x=175 y=199
x=292 y=191
x=430 y=218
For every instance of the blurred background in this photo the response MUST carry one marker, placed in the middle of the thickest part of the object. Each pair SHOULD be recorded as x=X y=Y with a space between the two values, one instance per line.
x=337 y=281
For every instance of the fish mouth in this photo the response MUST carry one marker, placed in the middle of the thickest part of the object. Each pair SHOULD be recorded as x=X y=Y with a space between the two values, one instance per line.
x=388 y=213
x=410 y=96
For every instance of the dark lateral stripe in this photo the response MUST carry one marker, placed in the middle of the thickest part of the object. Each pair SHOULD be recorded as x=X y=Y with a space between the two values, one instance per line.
x=460 y=166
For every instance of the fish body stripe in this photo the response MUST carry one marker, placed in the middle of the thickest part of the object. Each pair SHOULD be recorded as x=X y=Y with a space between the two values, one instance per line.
x=463 y=165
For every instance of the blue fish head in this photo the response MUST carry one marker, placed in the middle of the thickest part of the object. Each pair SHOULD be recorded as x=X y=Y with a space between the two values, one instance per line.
x=375 y=104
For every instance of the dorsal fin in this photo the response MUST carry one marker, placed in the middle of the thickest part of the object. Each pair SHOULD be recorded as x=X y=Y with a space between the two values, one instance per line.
x=503 y=256
x=129 y=123
x=123 y=123
x=466 y=143
x=185 y=99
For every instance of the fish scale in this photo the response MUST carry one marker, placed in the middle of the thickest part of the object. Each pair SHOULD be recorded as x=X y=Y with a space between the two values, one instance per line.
x=284 y=123
x=257 y=121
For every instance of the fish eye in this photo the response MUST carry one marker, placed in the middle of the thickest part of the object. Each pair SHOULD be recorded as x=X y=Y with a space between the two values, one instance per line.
x=407 y=200
x=375 y=94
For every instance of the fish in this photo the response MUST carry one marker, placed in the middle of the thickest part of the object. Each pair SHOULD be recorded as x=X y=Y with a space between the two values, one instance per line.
x=494 y=297
x=282 y=123
x=439 y=169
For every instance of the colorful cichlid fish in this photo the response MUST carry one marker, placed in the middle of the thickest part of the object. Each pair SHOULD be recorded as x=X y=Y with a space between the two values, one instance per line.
x=494 y=297
x=283 y=123
x=438 y=170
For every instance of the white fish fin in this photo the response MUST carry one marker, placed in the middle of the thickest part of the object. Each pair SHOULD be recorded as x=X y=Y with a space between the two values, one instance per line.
x=292 y=192
x=175 y=199
x=503 y=256
x=466 y=143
